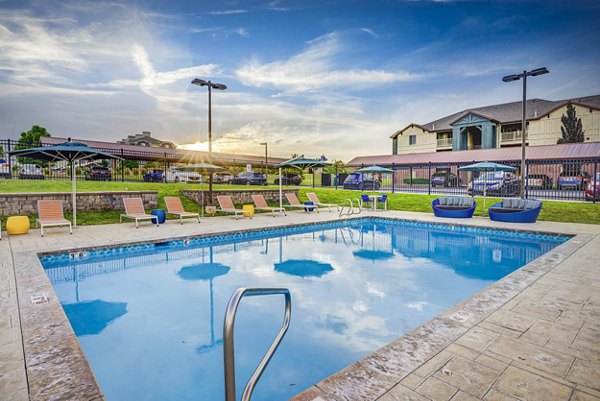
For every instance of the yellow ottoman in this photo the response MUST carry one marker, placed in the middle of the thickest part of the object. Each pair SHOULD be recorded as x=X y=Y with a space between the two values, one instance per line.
x=17 y=225
x=248 y=210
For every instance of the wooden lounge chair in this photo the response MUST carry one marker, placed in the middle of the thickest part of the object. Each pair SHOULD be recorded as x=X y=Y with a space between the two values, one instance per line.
x=134 y=209
x=226 y=205
x=261 y=204
x=295 y=203
x=175 y=207
x=315 y=199
x=50 y=213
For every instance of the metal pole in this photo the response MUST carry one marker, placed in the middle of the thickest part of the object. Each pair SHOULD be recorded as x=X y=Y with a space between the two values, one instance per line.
x=210 y=178
x=523 y=134
x=266 y=161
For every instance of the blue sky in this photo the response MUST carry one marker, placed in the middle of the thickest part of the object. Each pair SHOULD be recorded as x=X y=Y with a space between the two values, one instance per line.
x=310 y=77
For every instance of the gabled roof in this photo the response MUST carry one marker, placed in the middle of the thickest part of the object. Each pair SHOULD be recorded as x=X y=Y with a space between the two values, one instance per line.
x=589 y=150
x=474 y=113
x=399 y=132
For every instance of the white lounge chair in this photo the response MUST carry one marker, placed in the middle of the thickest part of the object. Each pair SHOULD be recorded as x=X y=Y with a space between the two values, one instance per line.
x=134 y=209
x=50 y=213
x=175 y=207
x=226 y=205
x=295 y=203
x=315 y=200
x=261 y=204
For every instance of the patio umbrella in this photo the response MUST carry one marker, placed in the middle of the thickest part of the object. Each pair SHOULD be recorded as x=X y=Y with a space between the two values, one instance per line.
x=201 y=168
x=69 y=152
x=301 y=163
x=91 y=317
x=486 y=167
x=374 y=169
x=303 y=268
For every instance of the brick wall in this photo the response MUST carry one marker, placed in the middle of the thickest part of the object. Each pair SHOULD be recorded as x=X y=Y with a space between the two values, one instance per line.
x=26 y=203
x=239 y=197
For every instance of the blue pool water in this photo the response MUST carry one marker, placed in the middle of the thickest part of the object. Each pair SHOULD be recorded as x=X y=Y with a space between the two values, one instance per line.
x=149 y=317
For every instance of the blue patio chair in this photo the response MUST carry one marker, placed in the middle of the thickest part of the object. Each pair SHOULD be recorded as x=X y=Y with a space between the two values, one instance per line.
x=516 y=210
x=366 y=199
x=381 y=200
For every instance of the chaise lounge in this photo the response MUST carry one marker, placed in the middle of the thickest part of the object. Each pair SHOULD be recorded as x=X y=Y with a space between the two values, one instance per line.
x=516 y=210
x=454 y=207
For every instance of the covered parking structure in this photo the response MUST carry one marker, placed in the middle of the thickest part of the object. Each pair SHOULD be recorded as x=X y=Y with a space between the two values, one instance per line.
x=547 y=168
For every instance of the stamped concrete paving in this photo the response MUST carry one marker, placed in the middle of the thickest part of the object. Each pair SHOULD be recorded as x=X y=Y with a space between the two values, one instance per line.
x=535 y=335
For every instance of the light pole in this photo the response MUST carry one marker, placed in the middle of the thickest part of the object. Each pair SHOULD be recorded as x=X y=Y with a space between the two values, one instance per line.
x=210 y=85
x=516 y=77
x=266 y=161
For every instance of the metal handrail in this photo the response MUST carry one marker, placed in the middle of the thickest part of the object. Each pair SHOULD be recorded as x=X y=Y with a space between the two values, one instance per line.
x=350 y=208
x=228 y=351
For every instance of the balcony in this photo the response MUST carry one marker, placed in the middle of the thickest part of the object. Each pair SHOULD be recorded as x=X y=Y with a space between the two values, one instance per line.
x=511 y=136
x=444 y=142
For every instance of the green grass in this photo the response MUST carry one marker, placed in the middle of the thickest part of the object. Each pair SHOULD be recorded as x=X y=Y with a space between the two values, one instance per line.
x=569 y=212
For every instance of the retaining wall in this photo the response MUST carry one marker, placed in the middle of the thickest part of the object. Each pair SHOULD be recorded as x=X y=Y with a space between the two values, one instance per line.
x=239 y=197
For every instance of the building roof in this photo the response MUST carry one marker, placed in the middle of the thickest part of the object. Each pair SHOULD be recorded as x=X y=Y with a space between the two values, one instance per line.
x=161 y=154
x=590 y=150
x=508 y=112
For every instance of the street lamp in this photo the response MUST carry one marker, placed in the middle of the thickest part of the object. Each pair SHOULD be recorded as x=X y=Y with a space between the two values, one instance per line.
x=210 y=85
x=266 y=162
x=516 y=77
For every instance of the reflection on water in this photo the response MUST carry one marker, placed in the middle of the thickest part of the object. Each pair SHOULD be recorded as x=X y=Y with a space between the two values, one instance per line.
x=150 y=322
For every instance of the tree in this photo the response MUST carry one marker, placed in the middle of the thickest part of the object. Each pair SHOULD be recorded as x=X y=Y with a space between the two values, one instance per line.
x=341 y=168
x=572 y=129
x=31 y=139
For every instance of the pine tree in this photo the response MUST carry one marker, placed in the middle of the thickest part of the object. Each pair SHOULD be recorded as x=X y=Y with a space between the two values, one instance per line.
x=572 y=129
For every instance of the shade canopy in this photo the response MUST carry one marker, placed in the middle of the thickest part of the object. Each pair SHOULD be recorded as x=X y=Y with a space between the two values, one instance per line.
x=374 y=169
x=69 y=152
x=91 y=317
x=200 y=167
x=203 y=271
x=303 y=267
x=303 y=163
x=373 y=255
x=487 y=166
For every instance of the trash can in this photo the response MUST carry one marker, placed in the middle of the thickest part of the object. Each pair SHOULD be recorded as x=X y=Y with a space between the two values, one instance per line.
x=160 y=215
x=248 y=210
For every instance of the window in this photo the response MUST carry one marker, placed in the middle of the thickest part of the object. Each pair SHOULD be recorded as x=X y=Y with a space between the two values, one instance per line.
x=412 y=140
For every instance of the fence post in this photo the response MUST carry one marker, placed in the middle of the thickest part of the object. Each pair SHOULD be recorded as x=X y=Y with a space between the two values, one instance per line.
x=594 y=182
x=336 y=177
x=525 y=179
x=429 y=180
x=393 y=177
x=9 y=160
x=122 y=166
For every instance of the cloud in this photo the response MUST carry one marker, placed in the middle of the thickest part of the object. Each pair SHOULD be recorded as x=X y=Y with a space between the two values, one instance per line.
x=227 y=12
x=370 y=32
x=242 y=32
x=315 y=69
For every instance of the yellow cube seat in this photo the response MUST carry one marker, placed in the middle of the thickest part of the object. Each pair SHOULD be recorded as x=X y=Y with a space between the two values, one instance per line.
x=17 y=225
x=248 y=210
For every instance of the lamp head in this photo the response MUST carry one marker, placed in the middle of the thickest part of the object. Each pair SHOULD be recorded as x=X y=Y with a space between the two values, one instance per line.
x=538 y=71
x=199 y=82
x=513 y=77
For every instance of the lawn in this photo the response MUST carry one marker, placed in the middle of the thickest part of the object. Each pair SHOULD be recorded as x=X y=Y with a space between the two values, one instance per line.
x=570 y=212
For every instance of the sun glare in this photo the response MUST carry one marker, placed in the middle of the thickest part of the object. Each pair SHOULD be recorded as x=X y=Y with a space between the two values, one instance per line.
x=201 y=146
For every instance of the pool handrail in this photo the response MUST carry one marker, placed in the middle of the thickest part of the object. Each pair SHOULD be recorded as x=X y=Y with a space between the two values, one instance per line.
x=228 y=348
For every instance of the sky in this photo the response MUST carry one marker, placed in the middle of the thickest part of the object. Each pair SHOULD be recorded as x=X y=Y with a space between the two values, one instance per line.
x=327 y=77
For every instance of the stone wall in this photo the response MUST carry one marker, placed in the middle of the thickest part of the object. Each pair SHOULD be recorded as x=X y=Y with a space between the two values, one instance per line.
x=26 y=203
x=239 y=197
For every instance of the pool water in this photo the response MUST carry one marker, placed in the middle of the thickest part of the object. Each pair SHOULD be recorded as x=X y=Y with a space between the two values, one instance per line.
x=150 y=317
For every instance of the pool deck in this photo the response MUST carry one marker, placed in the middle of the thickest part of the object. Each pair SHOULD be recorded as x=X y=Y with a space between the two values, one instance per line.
x=534 y=335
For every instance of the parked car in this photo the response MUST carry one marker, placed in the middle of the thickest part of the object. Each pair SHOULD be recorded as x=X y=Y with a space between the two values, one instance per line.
x=4 y=169
x=444 y=179
x=572 y=181
x=538 y=181
x=175 y=174
x=289 y=179
x=219 y=178
x=31 y=172
x=592 y=189
x=361 y=181
x=495 y=183
x=98 y=173
x=249 y=178
x=154 y=175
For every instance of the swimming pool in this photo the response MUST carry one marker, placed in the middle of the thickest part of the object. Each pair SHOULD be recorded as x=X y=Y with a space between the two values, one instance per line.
x=158 y=308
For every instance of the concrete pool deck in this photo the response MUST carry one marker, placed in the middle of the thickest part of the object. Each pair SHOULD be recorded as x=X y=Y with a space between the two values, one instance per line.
x=534 y=335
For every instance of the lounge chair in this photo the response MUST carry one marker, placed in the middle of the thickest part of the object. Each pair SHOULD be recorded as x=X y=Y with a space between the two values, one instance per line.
x=50 y=213
x=516 y=210
x=134 y=209
x=261 y=204
x=454 y=207
x=175 y=207
x=296 y=204
x=315 y=200
x=226 y=205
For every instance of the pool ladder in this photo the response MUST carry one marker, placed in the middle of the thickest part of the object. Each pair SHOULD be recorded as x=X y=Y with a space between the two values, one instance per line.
x=228 y=352
x=350 y=204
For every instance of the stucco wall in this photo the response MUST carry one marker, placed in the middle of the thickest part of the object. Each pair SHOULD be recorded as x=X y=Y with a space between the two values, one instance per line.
x=426 y=141
x=26 y=203
x=546 y=130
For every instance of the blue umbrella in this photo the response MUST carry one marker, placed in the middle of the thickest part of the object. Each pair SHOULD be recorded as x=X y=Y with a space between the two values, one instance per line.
x=69 y=152
x=486 y=166
x=303 y=267
x=301 y=163
x=91 y=317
